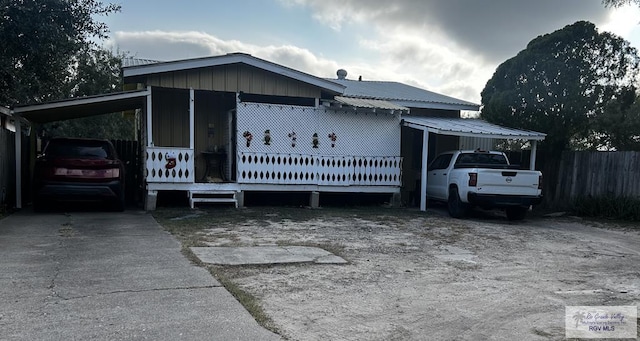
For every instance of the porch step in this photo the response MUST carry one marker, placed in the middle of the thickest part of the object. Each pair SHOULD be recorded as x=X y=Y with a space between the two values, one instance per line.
x=212 y=196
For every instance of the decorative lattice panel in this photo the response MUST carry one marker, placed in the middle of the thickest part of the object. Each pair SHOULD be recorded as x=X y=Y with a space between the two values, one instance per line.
x=286 y=129
x=300 y=169
x=169 y=165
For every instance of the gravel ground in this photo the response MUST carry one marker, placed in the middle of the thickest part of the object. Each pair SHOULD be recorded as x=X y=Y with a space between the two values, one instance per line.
x=416 y=276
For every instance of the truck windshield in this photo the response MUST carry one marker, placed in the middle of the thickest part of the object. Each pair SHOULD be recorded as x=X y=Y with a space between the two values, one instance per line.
x=481 y=158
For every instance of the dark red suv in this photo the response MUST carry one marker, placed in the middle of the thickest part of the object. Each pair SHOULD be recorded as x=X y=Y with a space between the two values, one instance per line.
x=80 y=170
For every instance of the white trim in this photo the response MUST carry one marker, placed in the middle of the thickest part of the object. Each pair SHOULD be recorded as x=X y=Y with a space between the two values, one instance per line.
x=369 y=103
x=230 y=143
x=6 y=111
x=18 y=141
x=436 y=105
x=82 y=101
x=191 y=119
x=233 y=58
x=149 y=119
x=269 y=188
x=469 y=127
x=319 y=188
x=532 y=158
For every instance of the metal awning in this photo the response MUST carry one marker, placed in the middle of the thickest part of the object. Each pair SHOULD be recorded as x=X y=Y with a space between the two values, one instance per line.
x=83 y=106
x=469 y=127
x=369 y=103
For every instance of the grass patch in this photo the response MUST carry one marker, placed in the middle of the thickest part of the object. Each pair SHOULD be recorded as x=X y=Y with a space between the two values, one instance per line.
x=250 y=302
x=617 y=208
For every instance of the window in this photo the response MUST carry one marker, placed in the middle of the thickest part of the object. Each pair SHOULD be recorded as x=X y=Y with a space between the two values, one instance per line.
x=441 y=162
x=481 y=159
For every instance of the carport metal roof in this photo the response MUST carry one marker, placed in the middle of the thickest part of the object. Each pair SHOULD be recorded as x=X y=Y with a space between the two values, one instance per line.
x=469 y=127
x=463 y=127
x=70 y=109
x=83 y=106
x=369 y=103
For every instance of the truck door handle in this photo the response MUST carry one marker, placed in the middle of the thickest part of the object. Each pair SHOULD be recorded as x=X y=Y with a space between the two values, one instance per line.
x=444 y=174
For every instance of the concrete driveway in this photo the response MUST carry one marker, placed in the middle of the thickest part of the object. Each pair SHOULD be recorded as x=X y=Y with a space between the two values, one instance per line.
x=417 y=276
x=109 y=276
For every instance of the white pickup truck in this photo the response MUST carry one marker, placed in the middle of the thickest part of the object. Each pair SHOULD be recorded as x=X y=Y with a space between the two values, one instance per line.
x=486 y=179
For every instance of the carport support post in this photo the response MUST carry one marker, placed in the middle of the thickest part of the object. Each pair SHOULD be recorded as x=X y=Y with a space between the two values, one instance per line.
x=18 y=140
x=423 y=176
x=149 y=118
x=532 y=157
x=192 y=118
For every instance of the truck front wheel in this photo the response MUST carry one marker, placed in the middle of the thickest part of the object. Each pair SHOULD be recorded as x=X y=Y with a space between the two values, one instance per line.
x=457 y=209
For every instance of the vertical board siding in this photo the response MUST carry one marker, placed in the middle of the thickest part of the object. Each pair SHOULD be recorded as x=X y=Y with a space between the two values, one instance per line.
x=598 y=174
x=170 y=118
x=235 y=78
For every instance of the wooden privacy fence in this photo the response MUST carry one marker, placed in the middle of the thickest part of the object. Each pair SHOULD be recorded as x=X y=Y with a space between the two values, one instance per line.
x=597 y=174
x=129 y=152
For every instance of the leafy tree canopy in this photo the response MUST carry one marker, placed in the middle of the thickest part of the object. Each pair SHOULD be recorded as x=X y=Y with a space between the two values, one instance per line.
x=97 y=72
x=619 y=3
x=49 y=52
x=40 y=42
x=562 y=84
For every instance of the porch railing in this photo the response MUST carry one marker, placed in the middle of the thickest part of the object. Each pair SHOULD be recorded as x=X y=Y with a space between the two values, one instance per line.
x=273 y=168
x=169 y=165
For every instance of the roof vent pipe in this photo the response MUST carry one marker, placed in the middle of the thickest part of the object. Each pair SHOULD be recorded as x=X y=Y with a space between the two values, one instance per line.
x=342 y=74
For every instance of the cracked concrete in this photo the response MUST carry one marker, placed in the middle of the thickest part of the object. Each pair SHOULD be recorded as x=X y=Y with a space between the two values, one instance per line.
x=109 y=276
x=260 y=255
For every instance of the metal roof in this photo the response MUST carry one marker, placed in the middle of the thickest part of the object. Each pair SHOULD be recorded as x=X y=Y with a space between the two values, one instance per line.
x=83 y=106
x=232 y=58
x=469 y=127
x=127 y=62
x=403 y=95
x=369 y=103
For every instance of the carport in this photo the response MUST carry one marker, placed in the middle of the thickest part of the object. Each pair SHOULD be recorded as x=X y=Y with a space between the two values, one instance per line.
x=463 y=127
x=71 y=109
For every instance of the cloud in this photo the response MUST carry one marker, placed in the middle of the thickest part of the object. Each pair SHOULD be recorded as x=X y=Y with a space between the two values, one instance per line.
x=451 y=47
x=166 y=46
x=495 y=29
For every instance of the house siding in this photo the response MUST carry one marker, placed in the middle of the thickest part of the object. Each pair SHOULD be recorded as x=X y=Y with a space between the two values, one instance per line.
x=235 y=78
x=170 y=118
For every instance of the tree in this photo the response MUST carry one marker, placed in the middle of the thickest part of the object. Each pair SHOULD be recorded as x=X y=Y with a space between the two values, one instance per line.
x=619 y=3
x=561 y=85
x=40 y=42
x=619 y=128
x=97 y=72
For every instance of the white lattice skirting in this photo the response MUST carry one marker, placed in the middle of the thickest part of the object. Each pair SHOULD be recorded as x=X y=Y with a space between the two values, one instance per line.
x=169 y=165
x=300 y=169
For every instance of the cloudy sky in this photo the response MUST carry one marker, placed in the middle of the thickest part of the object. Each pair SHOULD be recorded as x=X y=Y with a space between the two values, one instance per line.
x=448 y=46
